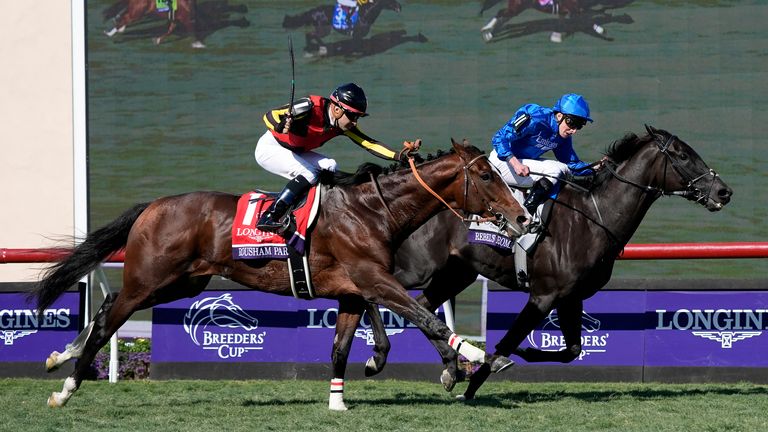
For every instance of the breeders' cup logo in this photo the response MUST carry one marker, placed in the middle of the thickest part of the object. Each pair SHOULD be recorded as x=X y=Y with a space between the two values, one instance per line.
x=725 y=326
x=393 y=323
x=206 y=314
x=592 y=342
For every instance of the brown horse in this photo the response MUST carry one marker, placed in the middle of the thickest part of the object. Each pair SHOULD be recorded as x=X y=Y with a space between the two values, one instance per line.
x=587 y=232
x=560 y=8
x=127 y=12
x=174 y=245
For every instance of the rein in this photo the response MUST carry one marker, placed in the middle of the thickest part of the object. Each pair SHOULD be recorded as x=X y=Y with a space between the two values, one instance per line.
x=412 y=163
x=381 y=197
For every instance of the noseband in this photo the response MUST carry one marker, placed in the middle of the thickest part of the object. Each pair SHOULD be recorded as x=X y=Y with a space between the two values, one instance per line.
x=691 y=192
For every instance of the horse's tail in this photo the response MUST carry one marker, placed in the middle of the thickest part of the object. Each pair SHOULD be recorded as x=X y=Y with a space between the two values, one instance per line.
x=84 y=258
x=115 y=10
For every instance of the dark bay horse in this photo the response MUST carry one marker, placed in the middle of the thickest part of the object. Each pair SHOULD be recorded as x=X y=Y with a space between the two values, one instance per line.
x=321 y=19
x=585 y=235
x=174 y=245
x=127 y=12
x=560 y=8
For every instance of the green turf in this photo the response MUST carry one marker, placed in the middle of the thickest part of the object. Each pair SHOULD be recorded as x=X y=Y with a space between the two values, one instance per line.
x=383 y=405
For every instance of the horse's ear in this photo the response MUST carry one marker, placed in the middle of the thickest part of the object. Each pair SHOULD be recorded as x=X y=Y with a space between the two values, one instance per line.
x=457 y=147
x=465 y=142
x=650 y=129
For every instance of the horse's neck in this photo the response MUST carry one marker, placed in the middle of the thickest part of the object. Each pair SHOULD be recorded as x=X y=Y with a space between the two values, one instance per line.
x=615 y=207
x=370 y=11
x=409 y=201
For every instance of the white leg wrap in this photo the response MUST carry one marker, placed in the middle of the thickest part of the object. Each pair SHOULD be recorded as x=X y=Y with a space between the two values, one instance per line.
x=472 y=353
x=336 y=399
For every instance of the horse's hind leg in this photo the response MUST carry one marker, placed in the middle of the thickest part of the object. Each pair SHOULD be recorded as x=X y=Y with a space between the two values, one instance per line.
x=513 y=9
x=75 y=349
x=103 y=329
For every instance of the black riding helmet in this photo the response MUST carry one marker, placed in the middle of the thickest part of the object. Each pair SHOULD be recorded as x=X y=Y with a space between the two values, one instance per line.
x=350 y=97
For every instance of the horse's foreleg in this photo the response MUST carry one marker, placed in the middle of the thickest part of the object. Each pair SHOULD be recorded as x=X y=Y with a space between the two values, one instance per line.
x=388 y=292
x=381 y=344
x=350 y=312
x=534 y=311
x=171 y=28
x=569 y=315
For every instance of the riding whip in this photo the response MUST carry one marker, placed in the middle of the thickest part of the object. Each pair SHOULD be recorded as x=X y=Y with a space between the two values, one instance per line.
x=293 y=76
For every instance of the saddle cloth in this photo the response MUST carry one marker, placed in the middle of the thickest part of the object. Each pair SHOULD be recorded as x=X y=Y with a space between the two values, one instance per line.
x=249 y=242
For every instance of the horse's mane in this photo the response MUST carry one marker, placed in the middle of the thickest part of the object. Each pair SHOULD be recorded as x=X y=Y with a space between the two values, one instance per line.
x=621 y=150
x=366 y=169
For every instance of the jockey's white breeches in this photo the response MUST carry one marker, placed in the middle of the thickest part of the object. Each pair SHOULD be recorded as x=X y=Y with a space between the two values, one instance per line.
x=552 y=170
x=277 y=159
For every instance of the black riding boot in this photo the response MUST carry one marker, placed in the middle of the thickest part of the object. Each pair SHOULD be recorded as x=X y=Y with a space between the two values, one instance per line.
x=538 y=194
x=272 y=219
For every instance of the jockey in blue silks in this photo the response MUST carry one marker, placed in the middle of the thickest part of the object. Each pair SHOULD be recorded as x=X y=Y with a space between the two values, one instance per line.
x=533 y=131
x=345 y=15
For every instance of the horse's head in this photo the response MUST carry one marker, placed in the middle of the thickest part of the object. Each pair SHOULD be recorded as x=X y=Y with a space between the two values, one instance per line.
x=682 y=172
x=484 y=192
x=662 y=164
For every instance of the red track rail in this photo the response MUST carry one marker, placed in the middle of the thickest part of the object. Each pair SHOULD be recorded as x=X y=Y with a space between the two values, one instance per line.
x=656 y=251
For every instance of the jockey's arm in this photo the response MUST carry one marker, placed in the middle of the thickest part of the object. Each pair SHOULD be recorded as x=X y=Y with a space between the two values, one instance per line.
x=371 y=145
x=282 y=119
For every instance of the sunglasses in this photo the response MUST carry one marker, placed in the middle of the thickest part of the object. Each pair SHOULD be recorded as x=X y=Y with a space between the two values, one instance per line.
x=352 y=116
x=574 y=122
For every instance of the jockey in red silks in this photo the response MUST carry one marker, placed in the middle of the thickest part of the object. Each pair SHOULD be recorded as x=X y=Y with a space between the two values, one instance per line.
x=286 y=149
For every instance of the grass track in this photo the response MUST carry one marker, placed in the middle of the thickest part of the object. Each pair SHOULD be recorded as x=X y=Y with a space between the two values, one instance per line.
x=384 y=405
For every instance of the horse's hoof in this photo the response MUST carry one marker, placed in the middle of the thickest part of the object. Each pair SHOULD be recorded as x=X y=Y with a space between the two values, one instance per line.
x=322 y=50
x=336 y=404
x=556 y=37
x=54 y=401
x=499 y=363
x=198 y=45
x=157 y=40
x=598 y=29
x=370 y=367
x=463 y=398
x=447 y=380
x=51 y=362
x=487 y=36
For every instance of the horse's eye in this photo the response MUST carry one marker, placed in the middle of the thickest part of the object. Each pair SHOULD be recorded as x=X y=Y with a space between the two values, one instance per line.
x=683 y=156
x=485 y=176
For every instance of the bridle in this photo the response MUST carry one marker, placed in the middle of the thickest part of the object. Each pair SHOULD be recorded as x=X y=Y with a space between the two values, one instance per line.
x=691 y=192
x=497 y=219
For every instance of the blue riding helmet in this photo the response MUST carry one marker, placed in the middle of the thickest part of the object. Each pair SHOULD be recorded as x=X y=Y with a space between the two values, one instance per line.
x=573 y=104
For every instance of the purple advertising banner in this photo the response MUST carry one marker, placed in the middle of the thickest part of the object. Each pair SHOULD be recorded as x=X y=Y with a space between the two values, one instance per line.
x=25 y=337
x=251 y=326
x=611 y=329
x=707 y=328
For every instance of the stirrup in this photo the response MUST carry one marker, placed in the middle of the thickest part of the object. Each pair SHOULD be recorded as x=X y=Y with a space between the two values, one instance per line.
x=277 y=227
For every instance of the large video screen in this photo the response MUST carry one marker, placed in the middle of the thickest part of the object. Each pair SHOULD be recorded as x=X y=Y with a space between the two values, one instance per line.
x=185 y=114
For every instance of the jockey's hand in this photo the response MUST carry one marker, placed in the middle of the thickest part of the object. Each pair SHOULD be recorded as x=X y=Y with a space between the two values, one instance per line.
x=408 y=148
x=600 y=164
x=520 y=169
x=287 y=125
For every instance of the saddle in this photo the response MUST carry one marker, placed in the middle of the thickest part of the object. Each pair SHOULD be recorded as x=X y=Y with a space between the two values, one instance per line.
x=250 y=243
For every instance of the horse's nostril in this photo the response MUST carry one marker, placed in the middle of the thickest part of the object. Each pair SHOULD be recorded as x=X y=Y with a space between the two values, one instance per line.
x=522 y=219
x=725 y=194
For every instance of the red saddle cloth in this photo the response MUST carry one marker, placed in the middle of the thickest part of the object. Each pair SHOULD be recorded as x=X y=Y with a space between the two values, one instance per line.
x=249 y=242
